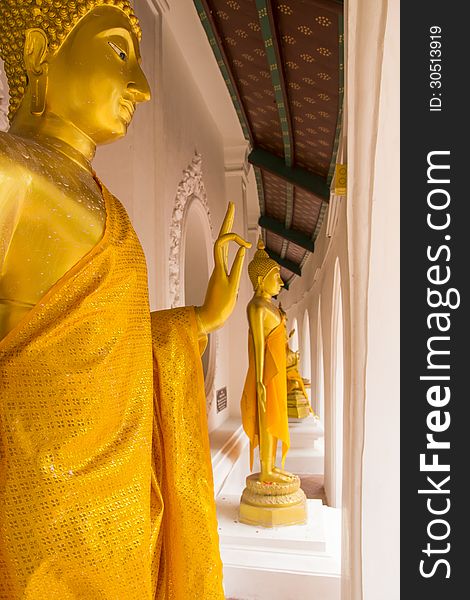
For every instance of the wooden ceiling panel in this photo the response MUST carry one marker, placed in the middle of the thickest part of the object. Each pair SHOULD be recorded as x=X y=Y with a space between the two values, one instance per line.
x=274 y=242
x=308 y=34
x=282 y=62
x=294 y=253
x=238 y=26
x=306 y=212
x=275 y=190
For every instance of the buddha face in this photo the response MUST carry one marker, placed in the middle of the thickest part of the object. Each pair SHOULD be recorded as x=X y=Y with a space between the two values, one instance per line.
x=272 y=282
x=95 y=79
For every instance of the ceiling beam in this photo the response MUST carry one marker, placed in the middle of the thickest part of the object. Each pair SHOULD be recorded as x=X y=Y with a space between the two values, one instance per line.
x=284 y=262
x=292 y=235
x=276 y=68
x=308 y=181
x=218 y=48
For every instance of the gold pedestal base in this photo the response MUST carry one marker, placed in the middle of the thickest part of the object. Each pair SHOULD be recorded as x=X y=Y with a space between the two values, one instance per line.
x=298 y=407
x=272 y=504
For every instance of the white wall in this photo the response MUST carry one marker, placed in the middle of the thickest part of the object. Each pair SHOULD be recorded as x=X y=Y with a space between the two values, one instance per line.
x=373 y=232
x=237 y=327
x=316 y=287
x=380 y=506
x=365 y=242
x=198 y=262
x=160 y=145
x=127 y=167
x=188 y=126
x=306 y=356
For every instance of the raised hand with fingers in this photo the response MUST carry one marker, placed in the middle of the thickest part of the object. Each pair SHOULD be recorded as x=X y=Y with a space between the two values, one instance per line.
x=222 y=288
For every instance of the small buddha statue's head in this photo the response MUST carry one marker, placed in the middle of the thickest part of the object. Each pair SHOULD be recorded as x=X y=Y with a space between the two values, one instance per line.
x=293 y=356
x=75 y=61
x=264 y=272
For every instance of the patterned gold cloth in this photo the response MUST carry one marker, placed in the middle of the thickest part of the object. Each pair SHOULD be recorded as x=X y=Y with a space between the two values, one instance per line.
x=106 y=487
x=274 y=378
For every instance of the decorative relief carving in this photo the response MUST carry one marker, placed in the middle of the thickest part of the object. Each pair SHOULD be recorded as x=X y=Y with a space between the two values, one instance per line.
x=191 y=186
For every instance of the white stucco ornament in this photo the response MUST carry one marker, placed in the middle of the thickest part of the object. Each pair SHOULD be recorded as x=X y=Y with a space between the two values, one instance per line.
x=190 y=187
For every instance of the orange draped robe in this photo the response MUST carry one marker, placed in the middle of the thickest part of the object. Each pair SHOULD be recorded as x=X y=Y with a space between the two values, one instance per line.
x=106 y=487
x=274 y=379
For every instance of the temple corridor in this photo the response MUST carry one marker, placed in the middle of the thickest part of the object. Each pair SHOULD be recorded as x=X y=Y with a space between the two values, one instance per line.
x=219 y=128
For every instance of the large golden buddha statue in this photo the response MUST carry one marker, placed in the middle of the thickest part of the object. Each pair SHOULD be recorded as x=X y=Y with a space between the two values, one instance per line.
x=272 y=496
x=105 y=476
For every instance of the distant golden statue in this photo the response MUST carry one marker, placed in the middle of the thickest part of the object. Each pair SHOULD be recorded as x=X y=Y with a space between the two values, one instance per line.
x=272 y=496
x=105 y=476
x=298 y=404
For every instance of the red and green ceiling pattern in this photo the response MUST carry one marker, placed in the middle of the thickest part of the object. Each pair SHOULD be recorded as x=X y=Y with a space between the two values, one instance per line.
x=282 y=61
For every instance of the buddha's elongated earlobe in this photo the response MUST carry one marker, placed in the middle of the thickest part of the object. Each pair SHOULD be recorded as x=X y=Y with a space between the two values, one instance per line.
x=35 y=51
x=38 y=92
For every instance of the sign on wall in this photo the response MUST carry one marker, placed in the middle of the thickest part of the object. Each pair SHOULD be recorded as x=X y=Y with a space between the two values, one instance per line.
x=221 y=399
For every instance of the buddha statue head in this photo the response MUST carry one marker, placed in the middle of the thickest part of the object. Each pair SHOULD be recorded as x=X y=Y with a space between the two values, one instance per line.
x=264 y=272
x=73 y=62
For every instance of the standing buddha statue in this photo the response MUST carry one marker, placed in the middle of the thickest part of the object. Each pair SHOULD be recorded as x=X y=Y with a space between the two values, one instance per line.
x=298 y=404
x=105 y=478
x=272 y=496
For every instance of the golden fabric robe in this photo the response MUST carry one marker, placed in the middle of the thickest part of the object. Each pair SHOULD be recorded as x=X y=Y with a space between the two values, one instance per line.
x=106 y=486
x=274 y=379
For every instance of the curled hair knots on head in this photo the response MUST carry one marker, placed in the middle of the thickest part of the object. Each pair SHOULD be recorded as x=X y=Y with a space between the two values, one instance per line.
x=260 y=265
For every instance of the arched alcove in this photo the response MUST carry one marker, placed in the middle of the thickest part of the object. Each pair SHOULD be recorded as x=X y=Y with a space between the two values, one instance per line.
x=195 y=269
x=196 y=264
x=190 y=260
x=294 y=339
x=190 y=189
x=306 y=353
x=337 y=389
x=318 y=387
x=197 y=246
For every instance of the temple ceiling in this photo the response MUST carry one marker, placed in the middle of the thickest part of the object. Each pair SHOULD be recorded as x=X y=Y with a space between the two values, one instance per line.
x=282 y=62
